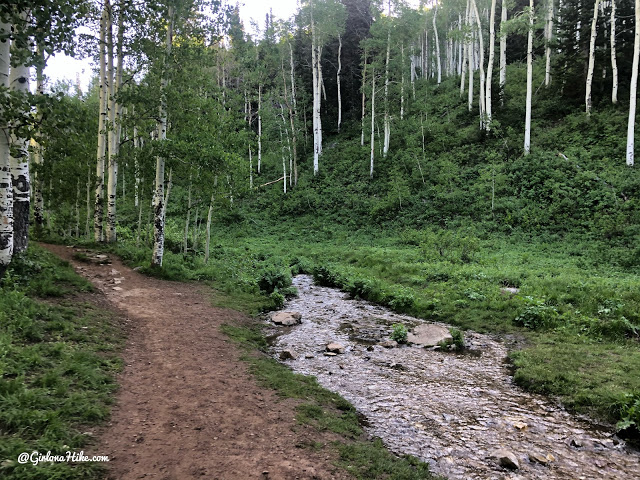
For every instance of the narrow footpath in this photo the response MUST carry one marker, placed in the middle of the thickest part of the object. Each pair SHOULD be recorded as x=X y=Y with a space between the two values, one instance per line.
x=187 y=406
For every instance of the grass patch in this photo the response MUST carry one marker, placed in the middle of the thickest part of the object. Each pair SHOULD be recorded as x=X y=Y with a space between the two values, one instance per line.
x=58 y=361
x=326 y=411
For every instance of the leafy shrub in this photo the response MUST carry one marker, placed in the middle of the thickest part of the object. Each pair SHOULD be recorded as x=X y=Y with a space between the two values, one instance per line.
x=473 y=295
x=327 y=277
x=536 y=314
x=300 y=265
x=399 y=333
x=277 y=300
x=630 y=412
x=401 y=300
x=289 y=292
x=457 y=338
x=360 y=288
x=273 y=278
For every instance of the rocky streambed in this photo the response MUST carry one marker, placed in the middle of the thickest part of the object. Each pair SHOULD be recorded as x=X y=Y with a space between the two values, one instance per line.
x=459 y=412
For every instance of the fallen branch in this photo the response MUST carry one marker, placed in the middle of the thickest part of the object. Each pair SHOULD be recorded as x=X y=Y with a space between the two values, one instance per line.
x=269 y=183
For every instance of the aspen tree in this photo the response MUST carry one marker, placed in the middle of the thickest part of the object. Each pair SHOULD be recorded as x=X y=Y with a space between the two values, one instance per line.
x=387 y=119
x=633 y=89
x=112 y=165
x=614 y=63
x=437 y=42
x=480 y=64
x=338 y=81
x=503 y=50
x=6 y=188
x=373 y=117
x=592 y=57
x=38 y=200
x=102 y=132
x=208 y=241
x=527 y=117
x=492 y=43
x=548 y=35
x=364 y=79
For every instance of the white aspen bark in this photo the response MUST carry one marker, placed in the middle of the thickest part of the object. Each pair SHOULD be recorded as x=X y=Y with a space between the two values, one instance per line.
x=364 y=79
x=592 y=58
x=19 y=82
x=481 y=65
x=120 y=111
x=387 y=122
x=250 y=169
x=293 y=81
x=38 y=203
x=185 y=241
x=633 y=89
x=465 y=50
x=259 y=127
x=139 y=219
x=471 y=62
x=316 y=58
x=402 y=81
x=78 y=208
x=503 y=50
x=338 y=82
x=548 y=37
x=159 y=202
x=435 y=34
x=614 y=62
x=492 y=52
x=98 y=219
x=195 y=232
x=6 y=188
x=208 y=241
x=413 y=73
x=112 y=180
x=527 y=116
x=373 y=117
x=136 y=146
x=87 y=228
x=166 y=197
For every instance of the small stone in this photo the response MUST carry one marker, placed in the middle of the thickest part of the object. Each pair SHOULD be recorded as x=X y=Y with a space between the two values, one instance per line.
x=538 y=458
x=330 y=354
x=117 y=289
x=308 y=355
x=551 y=458
x=138 y=268
x=506 y=459
x=574 y=442
x=335 y=348
x=388 y=344
x=288 y=355
x=520 y=426
x=370 y=348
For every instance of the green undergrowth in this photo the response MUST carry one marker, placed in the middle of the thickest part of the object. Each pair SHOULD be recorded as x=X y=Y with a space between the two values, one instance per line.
x=325 y=411
x=58 y=360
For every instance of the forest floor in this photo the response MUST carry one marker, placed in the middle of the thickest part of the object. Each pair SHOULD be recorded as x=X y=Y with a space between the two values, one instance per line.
x=187 y=406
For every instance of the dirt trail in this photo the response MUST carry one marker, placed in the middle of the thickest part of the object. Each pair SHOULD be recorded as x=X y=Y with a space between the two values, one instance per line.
x=187 y=406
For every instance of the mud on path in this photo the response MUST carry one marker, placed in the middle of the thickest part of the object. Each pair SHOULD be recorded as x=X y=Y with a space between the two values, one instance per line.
x=187 y=406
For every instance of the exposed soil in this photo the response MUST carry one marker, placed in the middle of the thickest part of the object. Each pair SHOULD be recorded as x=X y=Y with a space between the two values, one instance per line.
x=187 y=406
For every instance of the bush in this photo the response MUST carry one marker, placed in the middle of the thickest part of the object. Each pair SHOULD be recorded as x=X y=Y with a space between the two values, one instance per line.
x=458 y=338
x=399 y=333
x=277 y=300
x=630 y=412
x=536 y=315
x=327 y=277
x=273 y=278
x=401 y=300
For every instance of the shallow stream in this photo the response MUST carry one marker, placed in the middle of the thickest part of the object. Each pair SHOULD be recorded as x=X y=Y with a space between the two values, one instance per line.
x=449 y=409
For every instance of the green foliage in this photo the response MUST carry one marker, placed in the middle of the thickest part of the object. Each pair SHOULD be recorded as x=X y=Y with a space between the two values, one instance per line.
x=630 y=412
x=271 y=279
x=399 y=333
x=277 y=300
x=458 y=338
x=536 y=315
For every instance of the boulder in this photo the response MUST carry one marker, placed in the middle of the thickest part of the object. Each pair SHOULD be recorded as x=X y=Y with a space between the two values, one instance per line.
x=286 y=318
x=335 y=348
x=388 y=344
x=288 y=355
x=429 y=335
x=506 y=459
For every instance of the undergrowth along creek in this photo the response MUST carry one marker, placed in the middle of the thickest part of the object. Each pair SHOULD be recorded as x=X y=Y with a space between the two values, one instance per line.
x=59 y=354
x=572 y=326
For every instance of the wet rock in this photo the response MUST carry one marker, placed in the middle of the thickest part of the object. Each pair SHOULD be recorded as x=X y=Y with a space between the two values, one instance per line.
x=429 y=335
x=506 y=459
x=288 y=355
x=538 y=458
x=335 y=348
x=388 y=344
x=286 y=318
x=308 y=356
x=370 y=348
x=330 y=354
x=520 y=426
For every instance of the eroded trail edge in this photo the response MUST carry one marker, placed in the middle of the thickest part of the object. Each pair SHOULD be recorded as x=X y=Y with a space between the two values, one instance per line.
x=451 y=410
x=187 y=406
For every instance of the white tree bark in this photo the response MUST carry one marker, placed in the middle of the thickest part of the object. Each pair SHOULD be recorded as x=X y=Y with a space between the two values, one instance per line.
x=373 y=118
x=492 y=48
x=503 y=50
x=435 y=34
x=614 y=63
x=548 y=36
x=159 y=202
x=6 y=188
x=481 y=65
x=527 y=116
x=633 y=89
x=38 y=203
x=98 y=219
x=19 y=82
x=592 y=57
x=470 y=60
x=316 y=57
x=338 y=82
x=402 y=81
x=185 y=240
x=112 y=180
x=208 y=242
x=465 y=52
x=364 y=79
x=259 y=127
x=293 y=80
x=387 y=121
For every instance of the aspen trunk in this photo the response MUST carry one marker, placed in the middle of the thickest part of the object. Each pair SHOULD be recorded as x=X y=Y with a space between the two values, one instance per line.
x=492 y=48
x=470 y=59
x=102 y=133
x=259 y=127
x=87 y=228
x=78 y=208
x=592 y=58
x=19 y=82
x=293 y=81
x=364 y=79
x=503 y=50
x=387 y=121
x=614 y=63
x=373 y=117
x=208 y=242
x=633 y=89
x=402 y=81
x=465 y=51
x=527 y=117
x=38 y=204
x=159 y=202
x=316 y=54
x=548 y=37
x=435 y=34
x=112 y=180
x=136 y=146
x=6 y=189
x=250 y=169
x=185 y=243
x=338 y=82
x=480 y=65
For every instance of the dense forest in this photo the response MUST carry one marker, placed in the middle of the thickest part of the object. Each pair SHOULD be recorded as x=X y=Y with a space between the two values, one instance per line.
x=419 y=156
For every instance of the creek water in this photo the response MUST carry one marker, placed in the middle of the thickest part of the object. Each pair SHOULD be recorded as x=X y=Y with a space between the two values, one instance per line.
x=449 y=409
